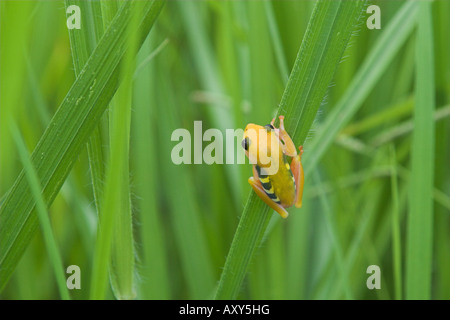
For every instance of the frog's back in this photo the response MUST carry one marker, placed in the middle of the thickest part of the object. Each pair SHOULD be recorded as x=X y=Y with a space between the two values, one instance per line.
x=280 y=187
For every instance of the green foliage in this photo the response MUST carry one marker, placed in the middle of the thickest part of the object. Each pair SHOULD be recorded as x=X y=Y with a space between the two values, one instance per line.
x=371 y=108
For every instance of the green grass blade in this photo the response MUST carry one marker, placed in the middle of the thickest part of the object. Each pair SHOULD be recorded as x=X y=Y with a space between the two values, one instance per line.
x=396 y=239
x=155 y=283
x=316 y=63
x=317 y=60
x=276 y=40
x=438 y=196
x=67 y=133
x=122 y=256
x=109 y=9
x=442 y=170
x=82 y=43
x=420 y=216
x=41 y=208
x=389 y=43
x=405 y=127
x=391 y=114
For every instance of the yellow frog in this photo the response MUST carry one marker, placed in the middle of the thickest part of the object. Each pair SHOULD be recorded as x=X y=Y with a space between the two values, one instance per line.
x=283 y=187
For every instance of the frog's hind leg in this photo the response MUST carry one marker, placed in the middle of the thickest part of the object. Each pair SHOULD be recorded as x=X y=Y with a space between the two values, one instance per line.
x=257 y=186
x=297 y=172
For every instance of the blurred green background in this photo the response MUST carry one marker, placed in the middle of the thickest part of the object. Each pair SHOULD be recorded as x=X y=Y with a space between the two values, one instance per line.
x=226 y=63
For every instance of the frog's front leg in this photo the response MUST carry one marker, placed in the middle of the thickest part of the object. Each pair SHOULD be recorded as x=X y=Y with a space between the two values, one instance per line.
x=259 y=189
x=288 y=146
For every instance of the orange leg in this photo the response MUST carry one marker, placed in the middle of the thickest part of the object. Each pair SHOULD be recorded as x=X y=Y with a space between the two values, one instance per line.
x=256 y=185
x=297 y=171
x=288 y=146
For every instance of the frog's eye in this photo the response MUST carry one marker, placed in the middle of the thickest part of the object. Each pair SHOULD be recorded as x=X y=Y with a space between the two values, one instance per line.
x=269 y=127
x=246 y=143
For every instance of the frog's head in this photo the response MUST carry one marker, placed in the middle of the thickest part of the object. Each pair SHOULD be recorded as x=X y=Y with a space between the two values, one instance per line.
x=262 y=145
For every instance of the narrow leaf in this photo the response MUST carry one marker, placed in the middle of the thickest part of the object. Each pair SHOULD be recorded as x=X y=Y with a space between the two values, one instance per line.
x=420 y=216
x=67 y=133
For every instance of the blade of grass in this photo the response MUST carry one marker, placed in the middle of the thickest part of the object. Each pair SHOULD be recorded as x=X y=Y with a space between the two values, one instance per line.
x=406 y=127
x=438 y=196
x=382 y=171
x=396 y=240
x=389 y=43
x=76 y=199
x=41 y=208
x=122 y=256
x=441 y=289
x=317 y=60
x=311 y=83
x=155 y=282
x=117 y=203
x=420 y=216
x=67 y=133
x=82 y=43
x=392 y=114
x=266 y=279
